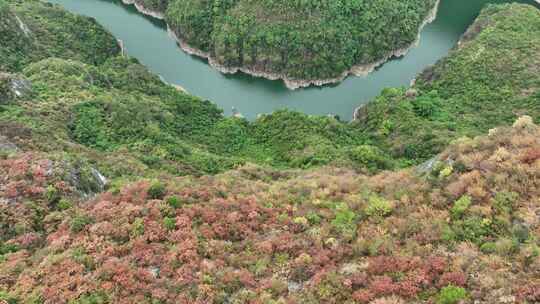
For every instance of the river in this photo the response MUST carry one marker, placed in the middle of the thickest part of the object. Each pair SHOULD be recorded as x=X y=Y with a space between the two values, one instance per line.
x=146 y=39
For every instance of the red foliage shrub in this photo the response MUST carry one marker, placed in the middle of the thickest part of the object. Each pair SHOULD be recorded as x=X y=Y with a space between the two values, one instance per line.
x=436 y=265
x=408 y=288
x=359 y=279
x=265 y=247
x=235 y=246
x=12 y=189
x=531 y=155
x=383 y=285
x=65 y=280
x=28 y=240
x=530 y=293
x=456 y=278
x=363 y=296
x=383 y=264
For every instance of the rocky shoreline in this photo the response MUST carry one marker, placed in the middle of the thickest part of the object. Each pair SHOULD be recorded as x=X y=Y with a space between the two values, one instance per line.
x=292 y=84
x=144 y=10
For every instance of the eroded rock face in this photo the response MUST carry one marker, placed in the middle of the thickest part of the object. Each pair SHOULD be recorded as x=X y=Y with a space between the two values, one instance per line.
x=411 y=93
x=23 y=27
x=100 y=179
x=429 y=165
x=87 y=180
x=361 y=113
x=21 y=87
x=12 y=86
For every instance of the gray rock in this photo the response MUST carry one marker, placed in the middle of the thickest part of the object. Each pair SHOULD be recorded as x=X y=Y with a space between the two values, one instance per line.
x=6 y=145
x=294 y=286
x=427 y=166
x=353 y=268
x=12 y=86
x=432 y=163
x=411 y=93
x=155 y=272
x=87 y=180
x=236 y=113
x=26 y=31
x=21 y=87
x=101 y=180
x=361 y=113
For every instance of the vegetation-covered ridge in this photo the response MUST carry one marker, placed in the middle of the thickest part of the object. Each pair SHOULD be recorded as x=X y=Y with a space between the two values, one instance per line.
x=491 y=77
x=116 y=115
x=464 y=230
x=32 y=32
x=114 y=109
x=303 y=43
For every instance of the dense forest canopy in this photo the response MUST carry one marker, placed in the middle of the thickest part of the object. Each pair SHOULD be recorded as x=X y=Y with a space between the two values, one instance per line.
x=30 y=32
x=298 y=40
x=489 y=78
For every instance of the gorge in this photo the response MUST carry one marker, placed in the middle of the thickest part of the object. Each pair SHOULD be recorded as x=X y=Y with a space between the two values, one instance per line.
x=146 y=38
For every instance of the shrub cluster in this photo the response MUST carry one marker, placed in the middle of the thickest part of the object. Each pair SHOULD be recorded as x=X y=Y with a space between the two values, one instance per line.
x=325 y=236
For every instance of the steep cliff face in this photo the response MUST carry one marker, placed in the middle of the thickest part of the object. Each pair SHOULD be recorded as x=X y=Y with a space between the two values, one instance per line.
x=13 y=87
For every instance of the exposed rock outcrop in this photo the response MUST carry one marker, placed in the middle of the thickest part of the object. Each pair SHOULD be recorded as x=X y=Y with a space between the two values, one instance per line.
x=21 y=87
x=26 y=31
x=12 y=86
x=361 y=113
x=144 y=10
x=86 y=179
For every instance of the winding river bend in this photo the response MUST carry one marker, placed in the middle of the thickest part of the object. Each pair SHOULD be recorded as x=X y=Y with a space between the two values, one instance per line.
x=146 y=39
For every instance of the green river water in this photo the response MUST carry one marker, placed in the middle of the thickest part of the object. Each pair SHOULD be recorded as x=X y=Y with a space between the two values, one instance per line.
x=146 y=39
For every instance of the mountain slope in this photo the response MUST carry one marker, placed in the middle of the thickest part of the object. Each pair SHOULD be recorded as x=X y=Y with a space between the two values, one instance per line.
x=33 y=30
x=490 y=78
x=118 y=188
x=319 y=236
x=101 y=112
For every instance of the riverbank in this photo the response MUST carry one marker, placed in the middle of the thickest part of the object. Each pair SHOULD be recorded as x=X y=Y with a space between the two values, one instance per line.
x=142 y=9
x=147 y=40
x=292 y=84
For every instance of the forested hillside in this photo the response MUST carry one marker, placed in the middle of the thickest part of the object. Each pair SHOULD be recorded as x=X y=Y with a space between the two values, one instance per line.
x=302 y=42
x=116 y=187
x=489 y=78
x=114 y=107
x=32 y=31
